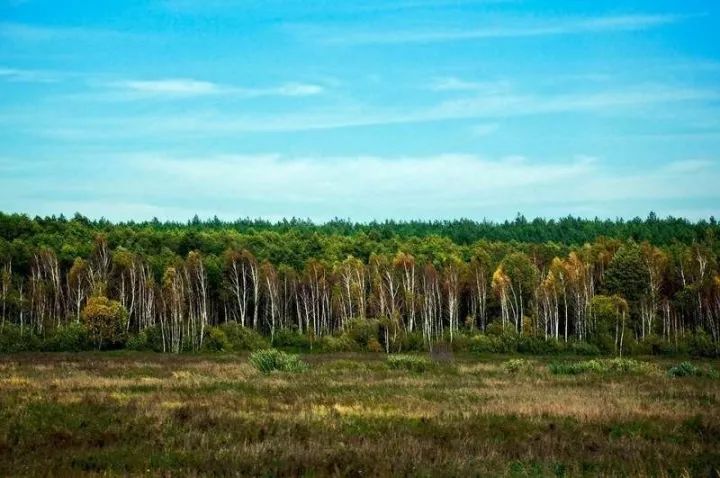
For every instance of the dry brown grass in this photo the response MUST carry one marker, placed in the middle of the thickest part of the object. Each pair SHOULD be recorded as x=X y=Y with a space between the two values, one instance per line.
x=139 y=414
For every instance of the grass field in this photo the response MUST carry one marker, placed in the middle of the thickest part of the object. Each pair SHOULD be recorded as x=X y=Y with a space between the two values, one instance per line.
x=350 y=415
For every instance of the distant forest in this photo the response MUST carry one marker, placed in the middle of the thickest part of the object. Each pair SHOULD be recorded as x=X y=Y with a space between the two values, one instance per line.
x=603 y=282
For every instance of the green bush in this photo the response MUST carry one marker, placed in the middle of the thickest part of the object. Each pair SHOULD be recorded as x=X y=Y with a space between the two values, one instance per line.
x=412 y=363
x=485 y=344
x=149 y=339
x=271 y=360
x=243 y=338
x=684 y=369
x=12 y=340
x=361 y=331
x=538 y=346
x=215 y=340
x=462 y=342
x=331 y=343
x=291 y=339
x=414 y=342
x=73 y=337
x=701 y=344
x=517 y=365
x=585 y=349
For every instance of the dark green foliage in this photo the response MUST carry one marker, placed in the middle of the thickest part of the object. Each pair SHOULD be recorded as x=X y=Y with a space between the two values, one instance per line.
x=626 y=275
x=272 y=360
x=149 y=340
x=73 y=337
x=288 y=338
x=13 y=339
x=216 y=341
x=684 y=369
x=362 y=331
x=242 y=338
x=583 y=348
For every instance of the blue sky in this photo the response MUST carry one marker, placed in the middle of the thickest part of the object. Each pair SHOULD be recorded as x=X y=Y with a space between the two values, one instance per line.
x=368 y=110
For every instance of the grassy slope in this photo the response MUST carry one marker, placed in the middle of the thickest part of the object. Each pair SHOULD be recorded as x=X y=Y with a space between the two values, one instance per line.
x=349 y=415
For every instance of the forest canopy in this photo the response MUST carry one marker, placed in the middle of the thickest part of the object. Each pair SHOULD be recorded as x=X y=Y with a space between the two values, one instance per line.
x=602 y=282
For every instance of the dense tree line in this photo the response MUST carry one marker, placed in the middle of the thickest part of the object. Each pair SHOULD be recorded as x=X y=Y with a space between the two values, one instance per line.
x=603 y=282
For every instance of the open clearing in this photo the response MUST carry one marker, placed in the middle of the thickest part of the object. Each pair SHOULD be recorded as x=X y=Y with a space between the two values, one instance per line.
x=349 y=415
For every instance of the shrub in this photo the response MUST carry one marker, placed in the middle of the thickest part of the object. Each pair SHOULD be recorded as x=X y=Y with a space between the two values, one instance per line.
x=73 y=337
x=702 y=345
x=585 y=349
x=215 y=340
x=243 y=338
x=149 y=339
x=362 y=331
x=374 y=346
x=412 y=363
x=414 y=342
x=538 y=346
x=291 y=339
x=13 y=340
x=517 y=365
x=331 y=343
x=105 y=320
x=462 y=342
x=485 y=344
x=684 y=369
x=271 y=360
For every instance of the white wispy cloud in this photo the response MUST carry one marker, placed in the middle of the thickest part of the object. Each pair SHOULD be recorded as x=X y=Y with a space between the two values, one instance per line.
x=20 y=75
x=27 y=32
x=452 y=83
x=478 y=106
x=689 y=166
x=188 y=87
x=502 y=28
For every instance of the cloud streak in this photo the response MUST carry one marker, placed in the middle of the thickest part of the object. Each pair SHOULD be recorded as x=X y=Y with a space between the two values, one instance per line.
x=516 y=28
x=189 y=88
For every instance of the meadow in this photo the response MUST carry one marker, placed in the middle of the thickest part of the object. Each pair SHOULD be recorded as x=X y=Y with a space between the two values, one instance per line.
x=107 y=414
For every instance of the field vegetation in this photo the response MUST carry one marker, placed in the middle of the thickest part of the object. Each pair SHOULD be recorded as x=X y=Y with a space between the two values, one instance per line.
x=129 y=413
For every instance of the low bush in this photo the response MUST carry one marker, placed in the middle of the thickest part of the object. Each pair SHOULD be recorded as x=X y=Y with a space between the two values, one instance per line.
x=149 y=339
x=13 y=339
x=216 y=340
x=362 y=331
x=271 y=360
x=331 y=343
x=412 y=363
x=518 y=365
x=684 y=369
x=73 y=337
x=243 y=338
x=538 y=346
x=291 y=339
x=585 y=349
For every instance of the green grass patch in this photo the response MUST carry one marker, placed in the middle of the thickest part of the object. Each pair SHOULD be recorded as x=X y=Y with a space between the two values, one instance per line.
x=602 y=366
x=272 y=360
x=411 y=363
